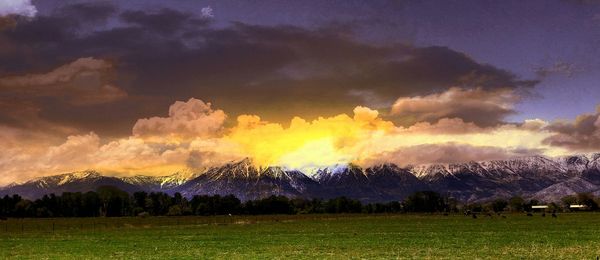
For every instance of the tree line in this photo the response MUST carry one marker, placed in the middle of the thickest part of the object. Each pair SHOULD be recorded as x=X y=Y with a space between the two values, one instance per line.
x=518 y=204
x=108 y=201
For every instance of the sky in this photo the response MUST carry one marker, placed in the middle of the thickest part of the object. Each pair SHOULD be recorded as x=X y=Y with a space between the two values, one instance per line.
x=154 y=87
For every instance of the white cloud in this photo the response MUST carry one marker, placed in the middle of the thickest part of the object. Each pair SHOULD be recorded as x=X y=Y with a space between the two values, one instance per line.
x=188 y=120
x=17 y=7
x=207 y=12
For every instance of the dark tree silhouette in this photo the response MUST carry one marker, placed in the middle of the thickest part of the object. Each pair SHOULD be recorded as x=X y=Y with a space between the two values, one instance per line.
x=112 y=202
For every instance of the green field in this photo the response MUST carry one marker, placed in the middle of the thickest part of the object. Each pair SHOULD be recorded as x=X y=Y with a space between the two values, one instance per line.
x=304 y=236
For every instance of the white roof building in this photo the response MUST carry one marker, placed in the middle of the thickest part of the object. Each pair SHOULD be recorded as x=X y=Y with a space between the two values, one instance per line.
x=539 y=207
x=577 y=206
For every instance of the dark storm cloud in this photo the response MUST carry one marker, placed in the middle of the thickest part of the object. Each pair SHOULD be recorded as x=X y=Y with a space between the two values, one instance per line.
x=582 y=134
x=164 y=21
x=62 y=24
x=25 y=114
x=85 y=81
x=275 y=71
x=89 y=12
x=43 y=30
x=583 y=2
x=479 y=106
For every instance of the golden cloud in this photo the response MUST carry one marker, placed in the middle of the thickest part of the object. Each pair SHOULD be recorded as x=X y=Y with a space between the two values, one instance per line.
x=191 y=119
x=193 y=136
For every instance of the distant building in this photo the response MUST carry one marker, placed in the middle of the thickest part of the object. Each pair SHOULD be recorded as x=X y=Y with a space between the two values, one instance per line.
x=539 y=207
x=578 y=206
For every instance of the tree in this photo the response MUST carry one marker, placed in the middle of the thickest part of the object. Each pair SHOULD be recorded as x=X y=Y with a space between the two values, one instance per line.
x=139 y=199
x=24 y=208
x=567 y=201
x=516 y=203
x=115 y=202
x=273 y=205
x=160 y=203
x=175 y=210
x=499 y=205
x=343 y=205
x=553 y=206
x=588 y=200
x=91 y=204
x=527 y=206
x=424 y=201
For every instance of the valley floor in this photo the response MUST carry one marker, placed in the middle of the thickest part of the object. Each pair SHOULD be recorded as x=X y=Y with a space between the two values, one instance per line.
x=571 y=235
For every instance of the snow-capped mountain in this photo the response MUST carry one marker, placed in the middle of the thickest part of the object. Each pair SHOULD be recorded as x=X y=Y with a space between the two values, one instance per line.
x=160 y=183
x=149 y=182
x=531 y=177
x=385 y=182
x=90 y=180
x=247 y=182
x=524 y=176
x=70 y=182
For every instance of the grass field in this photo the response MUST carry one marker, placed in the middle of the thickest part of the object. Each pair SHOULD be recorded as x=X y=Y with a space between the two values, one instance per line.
x=570 y=235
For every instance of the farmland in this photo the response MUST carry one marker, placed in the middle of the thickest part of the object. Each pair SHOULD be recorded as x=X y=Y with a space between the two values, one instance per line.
x=571 y=235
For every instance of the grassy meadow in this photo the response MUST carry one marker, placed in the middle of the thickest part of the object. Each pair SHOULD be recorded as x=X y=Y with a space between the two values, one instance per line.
x=571 y=235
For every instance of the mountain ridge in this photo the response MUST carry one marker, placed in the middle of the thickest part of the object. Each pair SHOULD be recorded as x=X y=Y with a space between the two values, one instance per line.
x=532 y=176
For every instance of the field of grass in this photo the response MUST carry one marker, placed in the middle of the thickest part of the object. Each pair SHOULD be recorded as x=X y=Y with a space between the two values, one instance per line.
x=570 y=235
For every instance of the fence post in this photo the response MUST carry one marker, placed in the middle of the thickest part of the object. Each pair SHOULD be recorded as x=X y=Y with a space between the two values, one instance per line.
x=53 y=228
x=22 y=227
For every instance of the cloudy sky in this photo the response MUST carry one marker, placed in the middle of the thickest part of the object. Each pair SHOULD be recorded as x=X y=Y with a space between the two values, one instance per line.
x=152 y=87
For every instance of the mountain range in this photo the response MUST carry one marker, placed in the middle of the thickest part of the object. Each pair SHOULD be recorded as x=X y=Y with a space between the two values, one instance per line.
x=536 y=177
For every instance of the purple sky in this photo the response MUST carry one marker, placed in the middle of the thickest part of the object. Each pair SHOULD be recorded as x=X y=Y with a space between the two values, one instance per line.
x=519 y=36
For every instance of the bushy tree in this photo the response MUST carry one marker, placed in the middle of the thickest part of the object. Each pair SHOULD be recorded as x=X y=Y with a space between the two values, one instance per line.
x=115 y=202
x=343 y=205
x=588 y=200
x=424 y=201
x=499 y=205
x=567 y=201
x=516 y=204
x=175 y=210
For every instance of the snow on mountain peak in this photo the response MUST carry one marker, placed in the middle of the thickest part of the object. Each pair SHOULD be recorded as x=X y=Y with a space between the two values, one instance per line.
x=423 y=170
x=70 y=177
x=167 y=181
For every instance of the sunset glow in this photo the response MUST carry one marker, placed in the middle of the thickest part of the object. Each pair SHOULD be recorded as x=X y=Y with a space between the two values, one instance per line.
x=136 y=89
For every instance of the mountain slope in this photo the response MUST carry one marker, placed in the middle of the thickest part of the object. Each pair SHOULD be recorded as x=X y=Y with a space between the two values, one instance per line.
x=385 y=182
x=247 y=182
x=477 y=181
x=531 y=177
x=557 y=191
x=159 y=183
x=70 y=182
